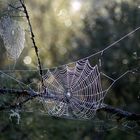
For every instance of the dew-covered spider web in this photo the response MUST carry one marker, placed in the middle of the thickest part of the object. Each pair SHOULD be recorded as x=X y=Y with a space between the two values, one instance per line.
x=12 y=31
x=76 y=90
x=13 y=36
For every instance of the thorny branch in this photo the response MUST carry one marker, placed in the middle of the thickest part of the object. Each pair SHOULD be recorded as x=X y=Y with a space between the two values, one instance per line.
x=33 y=40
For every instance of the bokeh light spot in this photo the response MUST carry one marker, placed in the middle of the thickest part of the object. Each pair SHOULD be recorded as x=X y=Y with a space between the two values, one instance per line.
x=27 y=60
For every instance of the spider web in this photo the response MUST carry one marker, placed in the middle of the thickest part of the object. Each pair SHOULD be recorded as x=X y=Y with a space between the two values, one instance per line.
x=73 y=90
x=12 y=33
x=77 y=90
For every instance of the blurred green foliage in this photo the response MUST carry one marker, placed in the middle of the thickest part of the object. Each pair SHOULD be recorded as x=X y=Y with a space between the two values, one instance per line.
x=65 y=33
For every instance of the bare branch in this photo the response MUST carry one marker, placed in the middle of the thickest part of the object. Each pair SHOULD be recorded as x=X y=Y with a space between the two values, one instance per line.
x=33 y=40
x=29 y=96
x=121 y=114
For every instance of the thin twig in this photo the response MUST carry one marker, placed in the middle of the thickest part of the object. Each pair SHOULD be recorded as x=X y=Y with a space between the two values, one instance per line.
x=33 y=41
